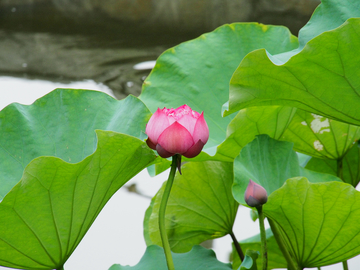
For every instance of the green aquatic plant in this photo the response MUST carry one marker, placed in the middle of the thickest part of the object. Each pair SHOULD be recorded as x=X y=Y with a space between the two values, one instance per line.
x=268 y=98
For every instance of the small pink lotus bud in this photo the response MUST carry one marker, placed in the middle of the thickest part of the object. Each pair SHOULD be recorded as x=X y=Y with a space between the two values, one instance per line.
x=255 y=195
x=177 y=131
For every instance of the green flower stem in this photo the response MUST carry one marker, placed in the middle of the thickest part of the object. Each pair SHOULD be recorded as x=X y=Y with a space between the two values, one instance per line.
x=292 y=265
x=263 y=237
x=164 y=199
x=237 y=246
x=340 y=175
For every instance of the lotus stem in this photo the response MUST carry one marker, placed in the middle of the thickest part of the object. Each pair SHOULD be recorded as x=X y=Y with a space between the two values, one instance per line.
x=263 y=238
x=339 y=172
x=237 y=246
x=164 y=200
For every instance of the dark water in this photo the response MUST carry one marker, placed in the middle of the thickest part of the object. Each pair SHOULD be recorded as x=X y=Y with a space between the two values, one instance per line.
x=65 y=40
x=55 y=48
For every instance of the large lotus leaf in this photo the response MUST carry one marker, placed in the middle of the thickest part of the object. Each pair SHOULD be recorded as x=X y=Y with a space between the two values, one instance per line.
x=275 y=256
x=311 y=134
x=198 y=258
x=319 y=136
x=62 y=124
x=198 y=72
x=269 y=163
x=350 y=166
x=329 y=15
x=44 y=217
x=249 y=122
x=200 y=206
x=320 y=222
x=321 y=79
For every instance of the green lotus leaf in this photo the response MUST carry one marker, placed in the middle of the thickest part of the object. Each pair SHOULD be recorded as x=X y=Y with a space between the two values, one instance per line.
x=318 y=221
x=62 y=124
x=198 y=258
x=329 y=15
x=350 y=166
x=275 y=256
x=250 y=260
x=44 y=217
x=249 y=122
x=311 y=134
x=321 y=79
x=319 y=136
x=269 y=163
x=197 y=72
x=200 y=206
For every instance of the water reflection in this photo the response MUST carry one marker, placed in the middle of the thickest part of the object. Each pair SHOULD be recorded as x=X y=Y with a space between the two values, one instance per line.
x=39 y=42
x=104 y=40
x=26 y=91
x=58 y=57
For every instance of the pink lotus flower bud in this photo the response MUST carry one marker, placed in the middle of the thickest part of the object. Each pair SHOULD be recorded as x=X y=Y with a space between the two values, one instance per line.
x=177 y=131
x=255 y=195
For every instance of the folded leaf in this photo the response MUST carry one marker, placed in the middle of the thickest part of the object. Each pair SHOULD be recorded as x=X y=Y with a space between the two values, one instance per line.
x=62 y=124
x=249 y=262
x=320 y=79
x=44 y=217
